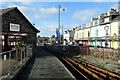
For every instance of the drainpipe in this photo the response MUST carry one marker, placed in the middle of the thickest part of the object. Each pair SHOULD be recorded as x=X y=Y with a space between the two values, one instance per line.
x=110 y=33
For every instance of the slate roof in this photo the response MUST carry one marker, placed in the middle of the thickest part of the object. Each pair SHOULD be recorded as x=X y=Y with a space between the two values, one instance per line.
x=3 y=11
x=116 y=19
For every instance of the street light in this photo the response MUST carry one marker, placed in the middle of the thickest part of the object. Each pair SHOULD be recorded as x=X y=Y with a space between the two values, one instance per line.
x=63 y=9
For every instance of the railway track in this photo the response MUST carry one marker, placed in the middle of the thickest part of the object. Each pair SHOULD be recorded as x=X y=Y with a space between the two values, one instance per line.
x=88 y=71
x=82 y=70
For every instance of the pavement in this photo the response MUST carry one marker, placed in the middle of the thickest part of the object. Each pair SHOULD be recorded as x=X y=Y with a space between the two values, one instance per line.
x=45 y=66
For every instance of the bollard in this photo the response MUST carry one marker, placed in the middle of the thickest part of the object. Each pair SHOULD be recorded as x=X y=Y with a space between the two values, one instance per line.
x=87 y=51
x=21 y=57
x=16 y=54
x=9 y=63
x=24 y=53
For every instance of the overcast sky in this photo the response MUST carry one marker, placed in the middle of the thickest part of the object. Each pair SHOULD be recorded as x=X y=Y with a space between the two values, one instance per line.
x=45 y=14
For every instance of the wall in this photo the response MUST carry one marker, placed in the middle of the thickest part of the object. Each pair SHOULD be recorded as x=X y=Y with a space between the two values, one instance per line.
x=16 y=17
x=86 y=32
x=81 y=33
x=72 y=34
x=76 y=34
x=66 y=36
x=114 y=28
x=101 y=30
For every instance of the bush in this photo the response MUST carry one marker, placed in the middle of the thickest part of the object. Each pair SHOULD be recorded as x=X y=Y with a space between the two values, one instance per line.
x=111 y=58
x=111 y=54
x=95 y=55
x=116 y=58
x=100 y=55
x=92 y=51
x=106 y=56
x=91 y=54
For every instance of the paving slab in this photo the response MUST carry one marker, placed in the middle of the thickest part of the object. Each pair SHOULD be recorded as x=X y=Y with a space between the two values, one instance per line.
x=47 y=66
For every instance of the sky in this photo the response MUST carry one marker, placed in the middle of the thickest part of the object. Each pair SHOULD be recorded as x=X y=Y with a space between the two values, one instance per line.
x=45 y=14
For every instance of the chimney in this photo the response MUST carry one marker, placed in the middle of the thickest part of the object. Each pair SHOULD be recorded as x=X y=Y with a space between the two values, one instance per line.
x=93 y=19
x=112 y=9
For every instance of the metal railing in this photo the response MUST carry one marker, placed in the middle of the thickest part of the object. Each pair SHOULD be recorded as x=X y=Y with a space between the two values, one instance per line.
x=13 y=59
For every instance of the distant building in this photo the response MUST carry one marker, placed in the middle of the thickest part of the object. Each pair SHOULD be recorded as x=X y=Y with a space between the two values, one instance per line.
x=53 y=39
x=42 y=39
x=68 y=35
x=16 y=28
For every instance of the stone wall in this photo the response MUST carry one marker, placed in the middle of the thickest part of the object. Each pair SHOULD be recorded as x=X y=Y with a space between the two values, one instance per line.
x=15 y=16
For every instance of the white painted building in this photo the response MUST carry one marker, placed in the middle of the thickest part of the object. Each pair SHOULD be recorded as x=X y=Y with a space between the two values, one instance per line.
x=68 y=35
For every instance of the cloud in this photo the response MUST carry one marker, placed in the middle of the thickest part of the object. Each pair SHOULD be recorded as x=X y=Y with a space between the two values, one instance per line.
x=22 y=8
x=47 y=30
x=52 y=27
x=49 y=11
x=59 y=1
x=26 y=3
x=46 y=13
x=27 y=11
x=84 y=15
x=70 y=26
x=41 y=16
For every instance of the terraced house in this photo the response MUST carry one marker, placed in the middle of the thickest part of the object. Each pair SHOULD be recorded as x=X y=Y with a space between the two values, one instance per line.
x=115 y=33
x=101 y=31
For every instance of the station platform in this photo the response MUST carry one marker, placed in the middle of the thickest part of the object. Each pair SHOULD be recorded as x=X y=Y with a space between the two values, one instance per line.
x=46 y=66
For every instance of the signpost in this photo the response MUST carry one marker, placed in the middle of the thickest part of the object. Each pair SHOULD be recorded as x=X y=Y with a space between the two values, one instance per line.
x=14 y=27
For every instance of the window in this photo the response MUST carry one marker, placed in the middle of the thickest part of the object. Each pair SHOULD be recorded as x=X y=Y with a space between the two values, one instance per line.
x=82 y=34
x=88 y=33
x=77 y=35
x=96 y=32
x=106 y=31
x=96 y=22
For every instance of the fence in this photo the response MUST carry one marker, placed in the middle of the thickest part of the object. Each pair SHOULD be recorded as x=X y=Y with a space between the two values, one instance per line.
x=75 y=49
x=104 y=53
x=11 y=60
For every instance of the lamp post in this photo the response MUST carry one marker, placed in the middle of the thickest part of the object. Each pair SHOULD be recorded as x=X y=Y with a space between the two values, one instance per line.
x=59 y=22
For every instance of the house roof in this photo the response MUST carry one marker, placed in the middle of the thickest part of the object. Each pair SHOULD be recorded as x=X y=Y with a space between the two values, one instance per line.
x=4 y=11
x=42 y=38
x=116 y=19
